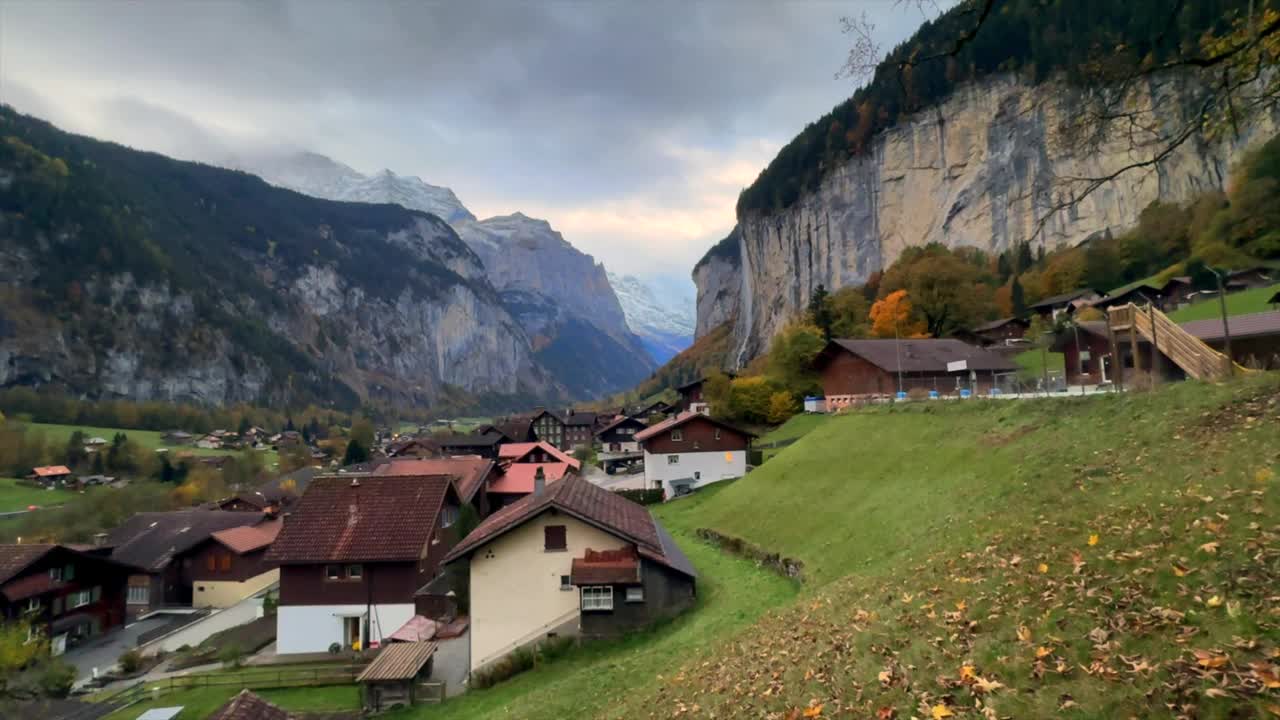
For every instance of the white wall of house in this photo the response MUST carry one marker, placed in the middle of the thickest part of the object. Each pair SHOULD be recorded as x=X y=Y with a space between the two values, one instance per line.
x=313 y=628
x=703 y=467
x=516 y=595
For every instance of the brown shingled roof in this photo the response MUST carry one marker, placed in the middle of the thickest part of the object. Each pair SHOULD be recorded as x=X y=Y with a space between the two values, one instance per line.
x=366 y=519
x=151 y=540
x=248 y=706
x=921 y=355
x=594 y=505
x=681 y=419
x=15 y=558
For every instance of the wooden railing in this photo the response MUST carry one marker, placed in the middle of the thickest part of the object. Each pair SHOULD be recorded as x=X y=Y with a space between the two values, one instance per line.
x=1185 y=350
x=252 y=679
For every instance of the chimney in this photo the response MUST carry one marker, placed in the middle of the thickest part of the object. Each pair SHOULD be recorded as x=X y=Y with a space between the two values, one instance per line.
x=539 y=480
x=355 y=482
x=99 y=539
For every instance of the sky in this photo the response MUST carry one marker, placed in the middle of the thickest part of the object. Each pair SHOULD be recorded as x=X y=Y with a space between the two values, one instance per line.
x=630 y=126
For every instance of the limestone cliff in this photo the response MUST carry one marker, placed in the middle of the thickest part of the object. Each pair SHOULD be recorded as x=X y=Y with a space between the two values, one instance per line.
x=718 y=277
x=981 y=169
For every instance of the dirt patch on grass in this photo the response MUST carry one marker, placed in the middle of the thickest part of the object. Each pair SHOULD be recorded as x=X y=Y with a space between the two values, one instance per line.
x=1254 y=411
x=1004 y=438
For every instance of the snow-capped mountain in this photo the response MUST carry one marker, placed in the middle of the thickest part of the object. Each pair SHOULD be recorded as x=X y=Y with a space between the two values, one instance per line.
x=322 y=177
x=664 y=322
x=559 y=294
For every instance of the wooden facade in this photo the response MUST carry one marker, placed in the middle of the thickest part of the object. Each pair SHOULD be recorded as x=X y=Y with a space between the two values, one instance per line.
x=66 y=595
x=697 y=434
x=663 y=593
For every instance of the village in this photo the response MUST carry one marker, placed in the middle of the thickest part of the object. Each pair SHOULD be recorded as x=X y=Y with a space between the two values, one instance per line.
x=447 y=560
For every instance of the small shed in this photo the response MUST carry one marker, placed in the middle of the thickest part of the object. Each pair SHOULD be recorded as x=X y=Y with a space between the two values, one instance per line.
x=395 y=676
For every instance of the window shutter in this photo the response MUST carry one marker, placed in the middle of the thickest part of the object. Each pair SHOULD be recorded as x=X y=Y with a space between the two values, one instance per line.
x=226 y=562
x=97 y=593
x=554 y=537
x=211 y=563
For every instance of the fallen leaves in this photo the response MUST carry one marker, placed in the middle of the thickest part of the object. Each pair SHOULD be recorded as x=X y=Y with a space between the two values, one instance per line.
x=1210 y=548
x=1093 y=539
x=941 y=711
x=1210 y=659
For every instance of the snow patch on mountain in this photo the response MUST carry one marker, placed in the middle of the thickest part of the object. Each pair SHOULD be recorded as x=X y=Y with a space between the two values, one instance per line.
x=664 y=320
x=322 y=177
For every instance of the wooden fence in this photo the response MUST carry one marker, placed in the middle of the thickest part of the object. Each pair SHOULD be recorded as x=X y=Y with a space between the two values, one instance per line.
x=251 y=679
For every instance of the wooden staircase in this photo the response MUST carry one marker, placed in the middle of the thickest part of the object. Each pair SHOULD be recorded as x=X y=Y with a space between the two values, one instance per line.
x=1185 y=350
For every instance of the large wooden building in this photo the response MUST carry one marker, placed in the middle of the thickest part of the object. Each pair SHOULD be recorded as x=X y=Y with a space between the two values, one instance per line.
x=353 y=553
x=67 y=596
x=859 y=369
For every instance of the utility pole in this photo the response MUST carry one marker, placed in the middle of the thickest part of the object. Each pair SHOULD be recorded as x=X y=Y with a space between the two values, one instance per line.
x=897 y=349
x=1226 y=328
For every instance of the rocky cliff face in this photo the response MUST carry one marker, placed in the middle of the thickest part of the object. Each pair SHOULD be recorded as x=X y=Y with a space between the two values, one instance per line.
x=543 y=279
x=718 y=277
x=981 y=169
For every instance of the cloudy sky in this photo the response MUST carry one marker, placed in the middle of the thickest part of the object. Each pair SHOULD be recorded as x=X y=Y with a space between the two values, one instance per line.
x=631 y=126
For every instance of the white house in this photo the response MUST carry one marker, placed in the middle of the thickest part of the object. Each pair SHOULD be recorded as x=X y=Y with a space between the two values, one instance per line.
x=691 y=450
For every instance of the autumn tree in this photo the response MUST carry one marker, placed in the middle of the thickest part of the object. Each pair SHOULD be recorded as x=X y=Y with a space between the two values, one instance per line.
x=791 y=355
x=782 y=405
x=18 y=650
x=891 y=316
x=948 y=289
x=718 y=392
x=849 y=311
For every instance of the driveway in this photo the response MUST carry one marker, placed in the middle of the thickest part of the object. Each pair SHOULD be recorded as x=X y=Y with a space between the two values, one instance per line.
x=103 y=652
x=452 y=663
x=620 y=481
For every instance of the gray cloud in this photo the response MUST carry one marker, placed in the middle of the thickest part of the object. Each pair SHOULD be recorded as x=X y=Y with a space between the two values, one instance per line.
x=629 y=125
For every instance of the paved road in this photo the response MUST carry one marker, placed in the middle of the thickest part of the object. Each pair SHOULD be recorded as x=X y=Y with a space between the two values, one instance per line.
x=614 y=482
x=103 y=652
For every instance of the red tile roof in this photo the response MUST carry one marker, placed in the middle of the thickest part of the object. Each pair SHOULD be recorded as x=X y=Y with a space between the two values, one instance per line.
x=244 y=539
x=151 y=540
x=365 y=519
x=518 y=478
x=51 y=471
x=684 y=417
x=594 y=505
x=468 y=471
x=417 y=629
x=606 y=567
x=515 y=451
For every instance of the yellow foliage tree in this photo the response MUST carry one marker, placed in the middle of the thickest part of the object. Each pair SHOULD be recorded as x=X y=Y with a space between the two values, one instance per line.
x=891 y=316
x=781 y=406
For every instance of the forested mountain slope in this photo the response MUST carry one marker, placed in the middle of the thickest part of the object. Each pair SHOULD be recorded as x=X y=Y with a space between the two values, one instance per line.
x=129 y=274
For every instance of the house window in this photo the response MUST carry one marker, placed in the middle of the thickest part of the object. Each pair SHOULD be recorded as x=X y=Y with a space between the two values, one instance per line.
x=597 y=597
x=677 y=435
x=448 y=516
x=554 y=538
x=138 y=595
x=211 y=563
x=333 y=572
x=697 y=474
x=80 y=599
x=33 y=634
x=565 y=583
x=696 y=445
x=635 y=594
x=673 y=459
x=717 y=433
x=96 y=594
x=33 y=606
x=57 y=606
x=355 y=572
x=225 y=562
x=55 y=574
x=69 y=573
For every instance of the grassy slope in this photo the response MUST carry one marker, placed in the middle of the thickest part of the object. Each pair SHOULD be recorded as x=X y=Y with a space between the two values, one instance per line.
x=14 y=496
x=606 y=680
x=925 y=556
x=794 y=428
x=1246 y=301
x=57 y=436
x=1031 y=363
x=946 y=543
x=200 y=704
